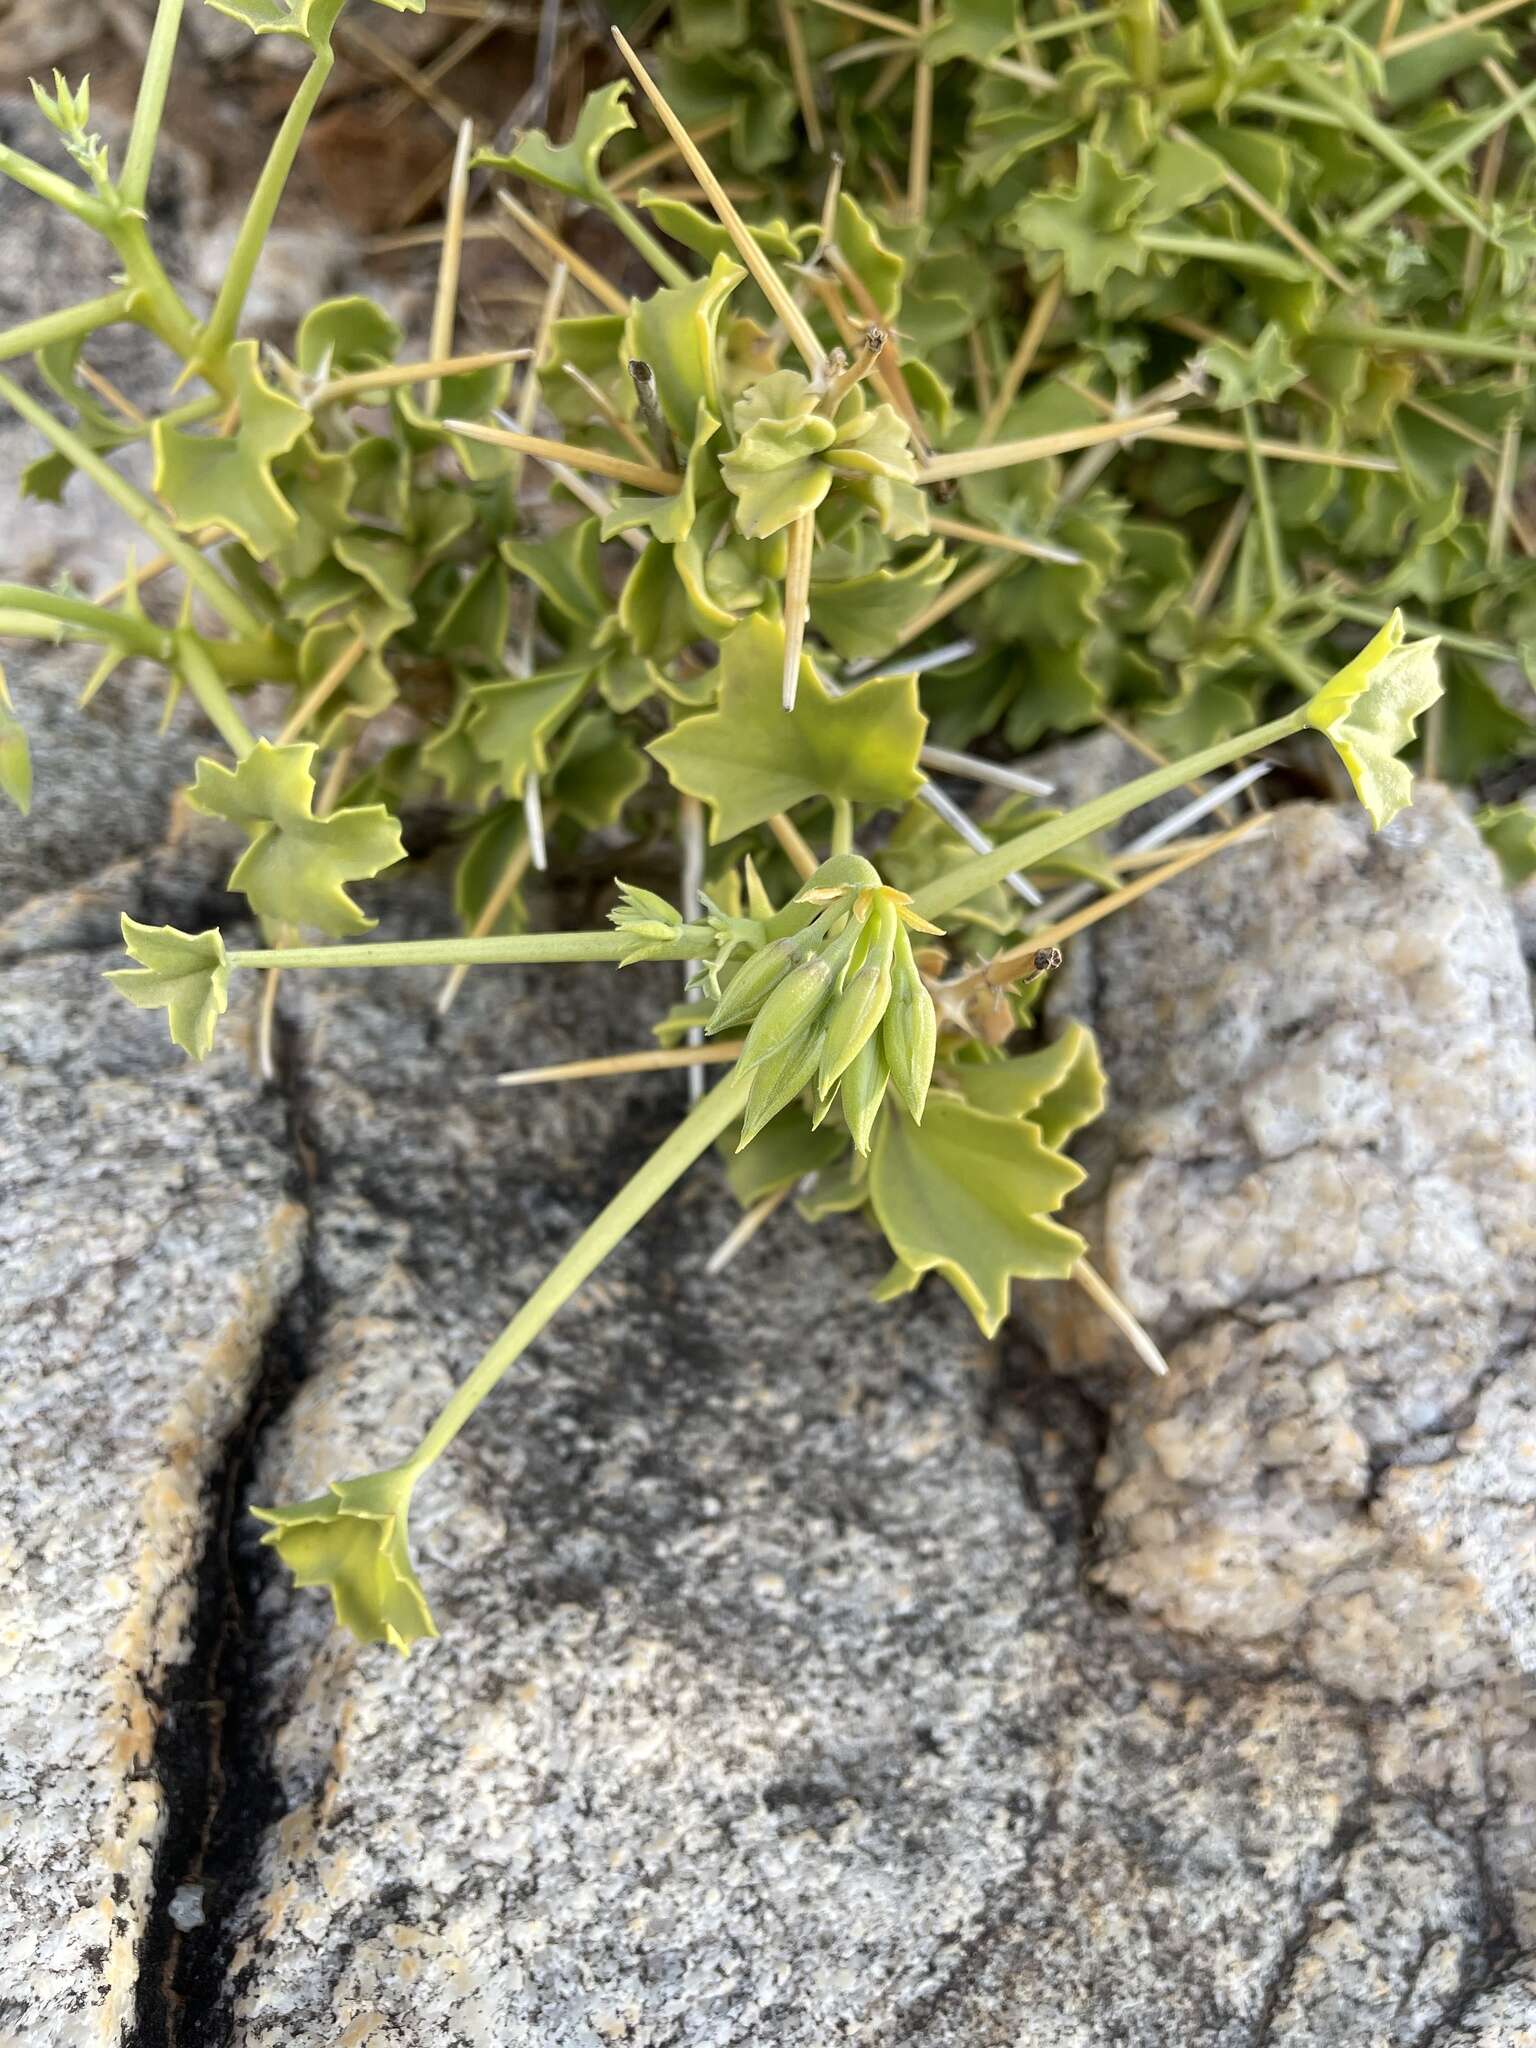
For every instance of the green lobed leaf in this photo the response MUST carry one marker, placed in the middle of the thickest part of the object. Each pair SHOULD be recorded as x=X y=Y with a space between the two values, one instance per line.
x=749 y=758
x=186 y=974
x=1368 y=711
x=675 y=331
x=354 y=1540
x=226 y=480
x=295 y=867
x=971 y=1196
x=568 y=167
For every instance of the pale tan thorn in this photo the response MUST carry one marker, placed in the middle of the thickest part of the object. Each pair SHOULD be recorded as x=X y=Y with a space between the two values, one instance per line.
x=889 y=24
x=800 y=72
x=1006 y=454
x=643 y=475
x=954 y=594
x=981 y=369
x=495 y=904
x=588 y=494
x=1503 y=496
x=746 y=1228
x=1389 y=20
x=887 y=371
x=1452 y=425
x=586 y=274
x=429 y=76
x=1450 y=25
x=445 y=302
x=797 y=600
x=719 y=1054
x=1273 y=218
x=323 y=690
x=358 y=382
x=266 y=1025
x=1156 y=756
x=1041 y=314
x=331 y=789
x=1007 y=967
x=1506 y=85
x=447 y=110
x=1103 y=1296
x=635 y=170
x=1279 y=451
x=1219 y=558
x=109 y=392
x=767 y=279
x=801 y=858
x=921 y=145
x=984 y=537
x=1487 y=185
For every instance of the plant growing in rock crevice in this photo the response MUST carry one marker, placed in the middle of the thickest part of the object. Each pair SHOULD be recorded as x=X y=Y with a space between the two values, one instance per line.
x=441 y=628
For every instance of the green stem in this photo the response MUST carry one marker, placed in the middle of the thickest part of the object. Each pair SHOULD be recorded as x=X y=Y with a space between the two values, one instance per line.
x=85 y=318
x=225 y=601
x=639 y=237
x=1223 y=44
x=666 y=1165
x=842 y=825
x=157 y=304
x=150 y=106
x=1396 y=197
x=207 y=686
x=1242 y=255
x=1426 y=340
x=263 y=205
x=1030 y=848
x=525 y=949
x=134 y=636
x=21 y=170
x=1310 y=82
x=1463 y=643
x=1139 y=25
x=1264 y=504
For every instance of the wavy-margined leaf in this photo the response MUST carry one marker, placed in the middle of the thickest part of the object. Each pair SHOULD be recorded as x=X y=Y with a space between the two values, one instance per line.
x=342 y=336
x=295 y=867
x=704 y=235
x=1059 y=1089
x=675 y=330
x=565 y=569
x=513 y=722
x=355 y=1541
x=226 y=480
x=878 y=268
x=568 y=167
x=186 y=974
x=1368 y=710
x=970 y=1195
x=596 y=771
x=1256 y=375
x=864 y=615
x=1087 y=224
x=750 y=758
x=310 y=20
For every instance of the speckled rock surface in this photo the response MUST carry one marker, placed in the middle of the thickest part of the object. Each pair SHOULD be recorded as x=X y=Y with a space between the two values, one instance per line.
x=147 y=1237
x=786 y=1693
x=1319 y=1189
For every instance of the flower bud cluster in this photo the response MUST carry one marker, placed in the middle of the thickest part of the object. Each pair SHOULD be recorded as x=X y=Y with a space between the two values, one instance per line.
x=835 y=1000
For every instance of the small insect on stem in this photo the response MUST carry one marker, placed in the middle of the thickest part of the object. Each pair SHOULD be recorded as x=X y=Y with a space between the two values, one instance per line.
x=660 y=434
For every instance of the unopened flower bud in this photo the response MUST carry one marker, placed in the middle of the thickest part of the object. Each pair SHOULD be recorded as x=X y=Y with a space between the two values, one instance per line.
x=909 y=1031
x=755 y=980
x=779 y=1078
x=853 y=1020
x=793 y=1005
x=863 y=1091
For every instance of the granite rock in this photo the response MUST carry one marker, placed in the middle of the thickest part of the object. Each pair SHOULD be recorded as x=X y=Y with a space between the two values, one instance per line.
x=147 y=1238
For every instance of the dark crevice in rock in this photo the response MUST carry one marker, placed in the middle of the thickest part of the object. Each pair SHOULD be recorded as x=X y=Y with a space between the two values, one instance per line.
x=1055 y=1433
x=212 y=1755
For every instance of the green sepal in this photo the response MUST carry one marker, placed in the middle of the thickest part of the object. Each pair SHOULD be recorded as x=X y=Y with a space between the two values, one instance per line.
x=186 y=974
x=1368 y=710
x=295 y=867
x=354 y=1540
